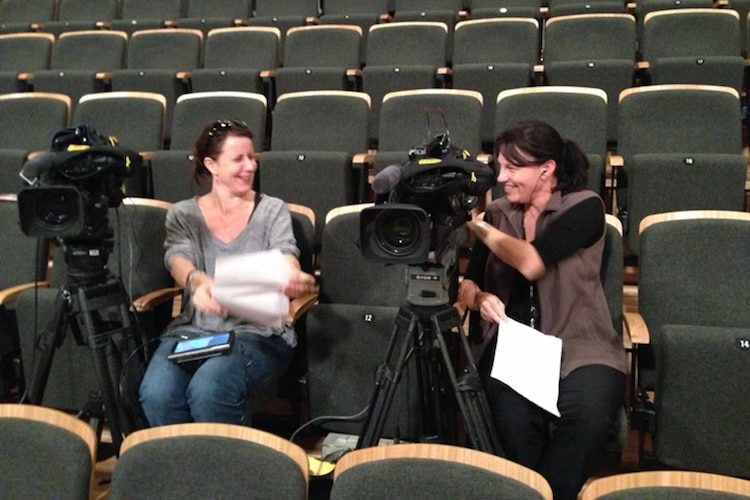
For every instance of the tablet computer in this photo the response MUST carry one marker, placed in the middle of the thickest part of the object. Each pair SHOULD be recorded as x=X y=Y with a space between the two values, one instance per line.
x=201 y=347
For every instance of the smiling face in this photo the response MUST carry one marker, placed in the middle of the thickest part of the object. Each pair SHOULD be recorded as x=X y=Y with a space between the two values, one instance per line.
x=524 y=181
x=234 y=168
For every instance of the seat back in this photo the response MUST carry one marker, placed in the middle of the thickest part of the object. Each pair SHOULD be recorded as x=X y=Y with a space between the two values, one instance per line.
x=492 y=55
x=175 y=49
x=193 y=111
x=339 y=119
x=137 y=15
x=665 y=484
x=21 y=54
x=100 y=50
x=671 y=182
x=28 y=120
x=577 y=113
x=411 y=118
x=50 y=453
x=652 y=120
x=27 y=11
x=205 y=460
x=321 y=180
x=694 y=46
x=78 y=58
x=435 y=470
x=682 y=255
x=137 y=119
x=318 y=57
x=230 y=9
x=234 y=59
x=358 y=320
x=604 y=58
x=25 y=51
x=696 y=368
x=401 y=56
x=242 y=47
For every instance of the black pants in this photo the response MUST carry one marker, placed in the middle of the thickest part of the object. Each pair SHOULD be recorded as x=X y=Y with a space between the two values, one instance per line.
x=564 y=450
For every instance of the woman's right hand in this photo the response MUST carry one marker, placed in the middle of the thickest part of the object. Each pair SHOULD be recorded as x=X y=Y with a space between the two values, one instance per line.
x=490 y=307
x=203 y=298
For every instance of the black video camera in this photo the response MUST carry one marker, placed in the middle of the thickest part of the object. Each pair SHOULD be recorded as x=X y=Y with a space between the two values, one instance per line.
x=72 y=186
x=433 y=195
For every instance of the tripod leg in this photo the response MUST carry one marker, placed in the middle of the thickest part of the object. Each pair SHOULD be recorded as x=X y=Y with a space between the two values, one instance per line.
x=50 y=340
x=387 y=379
x=472 y=401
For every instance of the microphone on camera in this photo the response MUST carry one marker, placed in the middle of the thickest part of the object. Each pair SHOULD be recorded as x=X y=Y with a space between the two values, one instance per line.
x=387 y=179
x=35 y=165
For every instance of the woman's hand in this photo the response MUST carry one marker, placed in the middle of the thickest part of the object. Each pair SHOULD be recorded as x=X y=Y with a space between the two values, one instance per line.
x=203 y=296
x=300 y=283
x=490 y=307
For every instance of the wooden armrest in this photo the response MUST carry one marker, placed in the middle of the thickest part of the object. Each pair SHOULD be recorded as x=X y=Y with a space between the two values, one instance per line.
x=149 y=301
x=267 y=74
x=641 y=65
x=616 y=160
x=183 y=75
x=444 y=71
x=635 y=328
x=11 y=293
x=300 y=305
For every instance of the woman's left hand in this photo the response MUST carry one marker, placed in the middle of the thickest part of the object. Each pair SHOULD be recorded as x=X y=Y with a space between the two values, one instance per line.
x=300 y=283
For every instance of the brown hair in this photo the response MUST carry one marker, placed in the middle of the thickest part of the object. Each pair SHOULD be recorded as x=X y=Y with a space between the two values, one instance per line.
x=211 y=141
x=541 y=142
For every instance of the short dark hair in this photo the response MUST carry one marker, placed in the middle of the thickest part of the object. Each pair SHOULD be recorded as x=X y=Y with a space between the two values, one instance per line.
x=542 y=142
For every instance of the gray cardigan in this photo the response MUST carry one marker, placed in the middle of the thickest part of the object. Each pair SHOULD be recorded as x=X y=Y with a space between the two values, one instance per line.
x=269 y=227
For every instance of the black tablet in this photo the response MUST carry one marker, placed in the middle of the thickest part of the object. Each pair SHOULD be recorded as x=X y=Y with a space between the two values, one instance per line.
x=201 y=347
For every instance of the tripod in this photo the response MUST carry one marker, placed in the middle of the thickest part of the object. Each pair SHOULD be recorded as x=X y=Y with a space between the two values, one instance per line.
x=421 y=325
x=82 y=306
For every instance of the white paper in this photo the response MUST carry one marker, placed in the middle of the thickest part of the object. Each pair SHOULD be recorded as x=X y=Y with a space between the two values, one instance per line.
x=249 y=286
x=529 y=362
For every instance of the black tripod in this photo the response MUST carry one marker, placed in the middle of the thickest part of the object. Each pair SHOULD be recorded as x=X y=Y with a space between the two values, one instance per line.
x=97 y=310
x=421 y=325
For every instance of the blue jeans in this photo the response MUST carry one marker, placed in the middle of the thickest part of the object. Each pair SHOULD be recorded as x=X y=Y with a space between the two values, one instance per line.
x=219 y=390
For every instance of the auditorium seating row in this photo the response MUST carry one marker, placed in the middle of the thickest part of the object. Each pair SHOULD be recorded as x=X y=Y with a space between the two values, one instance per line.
x=690 y=46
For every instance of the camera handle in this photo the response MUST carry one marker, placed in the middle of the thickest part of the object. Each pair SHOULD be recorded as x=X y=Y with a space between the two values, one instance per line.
x=82 y=304
x=422 y=329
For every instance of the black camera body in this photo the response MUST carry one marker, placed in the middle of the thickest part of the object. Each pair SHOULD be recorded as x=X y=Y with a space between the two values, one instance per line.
x=419 y=223
x=436 y=190
x=72 y=186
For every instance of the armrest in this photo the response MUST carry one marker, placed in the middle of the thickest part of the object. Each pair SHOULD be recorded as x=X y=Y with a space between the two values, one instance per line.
x=11 y=293
x=635 y=328
x=149 y=301
x=299 y=306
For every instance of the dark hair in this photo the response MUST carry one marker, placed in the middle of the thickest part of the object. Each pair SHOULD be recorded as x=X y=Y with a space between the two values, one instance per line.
x=541 y=142
x=211 y=141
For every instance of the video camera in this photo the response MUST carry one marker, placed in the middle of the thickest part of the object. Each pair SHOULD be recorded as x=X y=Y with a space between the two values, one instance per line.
x=429 y=198
x=70 y=191
x=72 y=186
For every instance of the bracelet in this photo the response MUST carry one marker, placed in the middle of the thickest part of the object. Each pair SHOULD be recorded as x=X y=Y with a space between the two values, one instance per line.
x=190 y=277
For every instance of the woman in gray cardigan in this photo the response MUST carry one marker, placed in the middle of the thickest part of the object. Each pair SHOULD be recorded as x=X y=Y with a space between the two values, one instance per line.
x=230 y=219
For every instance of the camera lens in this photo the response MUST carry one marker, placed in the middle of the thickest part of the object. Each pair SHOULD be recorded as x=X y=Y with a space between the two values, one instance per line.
x=398 y=232
x=58 y=209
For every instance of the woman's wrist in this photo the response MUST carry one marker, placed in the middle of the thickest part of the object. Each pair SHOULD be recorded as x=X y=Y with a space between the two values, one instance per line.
x=191 y=279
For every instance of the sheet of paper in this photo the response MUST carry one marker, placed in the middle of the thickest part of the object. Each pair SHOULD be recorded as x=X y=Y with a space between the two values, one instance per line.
x=529 y=362
x=249 y=286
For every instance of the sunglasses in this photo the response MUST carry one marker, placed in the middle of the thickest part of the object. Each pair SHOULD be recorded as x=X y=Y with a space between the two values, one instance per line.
x=224 y=126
